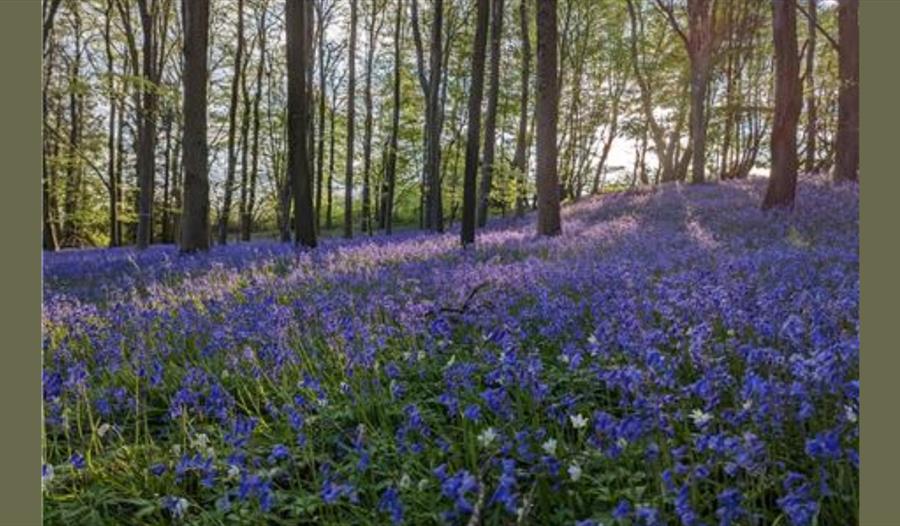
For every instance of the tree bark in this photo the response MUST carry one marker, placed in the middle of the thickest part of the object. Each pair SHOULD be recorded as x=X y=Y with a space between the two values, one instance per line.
x=195 y=203
x=365 y=212
x=247 y=219
x=847 y=152
x=299 y=167
x=476 y=92
x=546 y=113
x=783 y=177
x=811 y=117
x=490 y=123
x=232 y=126
x=351 y=116
x=390 y=172
x=519 y=161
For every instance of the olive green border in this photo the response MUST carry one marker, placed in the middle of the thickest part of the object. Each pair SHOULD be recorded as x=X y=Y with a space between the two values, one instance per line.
x=20 y=396
x=20 y=284
x=879 y=22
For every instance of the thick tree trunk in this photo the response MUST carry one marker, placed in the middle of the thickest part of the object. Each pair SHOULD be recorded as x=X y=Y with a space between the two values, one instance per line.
x=490 y=122
x=547 y=112
x=351 y=116
x=783 y=177
x=476 y=92
x=232 y=127
x=847 y=152
x=195 y=204
x=519 y=161
x=299 y=167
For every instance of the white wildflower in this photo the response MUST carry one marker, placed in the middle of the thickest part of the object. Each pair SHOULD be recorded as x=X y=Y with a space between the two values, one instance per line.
x=851 y=414
x=549 y=446
x=405 y=481
x=233 y=471
x=200 y=441
x=578 y=421
x=487 y=436
x=103 y=429
x=699 y=417
x=622 y=442
x=747 y=405
x=574 y=471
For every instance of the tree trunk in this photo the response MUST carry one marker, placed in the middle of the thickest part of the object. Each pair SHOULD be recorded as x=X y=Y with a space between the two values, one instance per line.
x=700 y=49
x=351 y=116
x=476 y=91
x=519 y=164
x=847 y=152
x=390 y=172
x=50 y=239
x=490 y=122
x=329 y=218
x=195 y=204
x=435 y=201
x=167 y=175
x=320 y=150
x=247 y=220
x=232 y=127
x=811 y=116
x=299 y=166
x=783 y=177
x=73 y=172
x=245 y=151
x=111 y=133
x=365 y=212
x=146 y=163
x=547 y=112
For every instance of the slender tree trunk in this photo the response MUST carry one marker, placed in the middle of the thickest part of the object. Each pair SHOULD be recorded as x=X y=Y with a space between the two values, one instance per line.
x=329 y=217
x=847 y=152
x=320 y=150
x=547 y=113
x=245 y=151
x=146 y=164
x=811 y=116
x=351 y=116
x=232 y=127
x=435 y=207
x=783 y=177
x=120 y=164
x=519 y=163
x=50 y=240
x=390 y=172
x=298 y=122
x=490 y=123
x=167 y=175
x=195 y=213
x=476 y=91
x=111 y=134
x=73 y=173
x=366 y=219
x=247 y=219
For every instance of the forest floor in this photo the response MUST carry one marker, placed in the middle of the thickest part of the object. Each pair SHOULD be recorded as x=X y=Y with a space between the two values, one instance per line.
x=676 y=356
